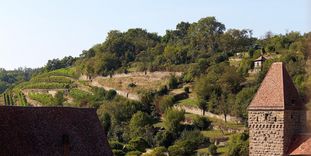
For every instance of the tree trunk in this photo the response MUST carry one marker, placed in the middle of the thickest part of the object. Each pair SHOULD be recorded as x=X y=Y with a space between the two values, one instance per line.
x=225 y=117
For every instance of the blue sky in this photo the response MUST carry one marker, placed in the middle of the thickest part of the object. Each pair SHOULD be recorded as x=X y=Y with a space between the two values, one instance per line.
x=34 y=31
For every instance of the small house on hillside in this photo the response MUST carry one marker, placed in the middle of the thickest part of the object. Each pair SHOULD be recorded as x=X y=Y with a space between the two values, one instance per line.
x=51 y=131
x=258 y=63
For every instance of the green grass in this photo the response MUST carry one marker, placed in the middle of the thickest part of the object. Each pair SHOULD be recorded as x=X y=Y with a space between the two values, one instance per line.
x=67 y=72
x=191 y=102
x=213 y=133
x=79 y=94
x=220 y=150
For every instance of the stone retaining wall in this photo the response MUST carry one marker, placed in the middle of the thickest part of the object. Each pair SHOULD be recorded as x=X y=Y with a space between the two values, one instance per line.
x=198 y=111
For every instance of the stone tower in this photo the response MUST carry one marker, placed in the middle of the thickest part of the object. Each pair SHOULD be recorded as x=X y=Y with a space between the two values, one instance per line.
x=275 y=114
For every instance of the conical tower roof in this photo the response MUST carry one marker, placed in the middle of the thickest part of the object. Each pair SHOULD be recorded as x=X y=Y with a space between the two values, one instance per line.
x=277 y=91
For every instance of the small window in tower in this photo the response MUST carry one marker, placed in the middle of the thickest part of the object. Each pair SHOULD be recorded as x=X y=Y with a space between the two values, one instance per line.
x=257 y=118
x=266 y=116
x=274 y=119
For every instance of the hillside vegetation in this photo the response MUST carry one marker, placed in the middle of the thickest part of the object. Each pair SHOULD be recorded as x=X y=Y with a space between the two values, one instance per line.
x=199 y=65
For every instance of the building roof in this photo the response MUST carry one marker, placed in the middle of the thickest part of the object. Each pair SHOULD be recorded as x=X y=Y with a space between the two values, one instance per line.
x=277 y=91
x=260 y=58
x=301 y=145
x=51 y=130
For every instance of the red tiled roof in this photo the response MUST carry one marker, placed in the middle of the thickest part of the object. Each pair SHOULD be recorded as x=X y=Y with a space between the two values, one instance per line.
x=51 y=131
x=301 y=145
x=277 y=91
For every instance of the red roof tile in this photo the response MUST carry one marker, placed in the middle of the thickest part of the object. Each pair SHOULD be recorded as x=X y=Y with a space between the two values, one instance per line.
x=277 y=91
x=51 y=131
x=301 y=145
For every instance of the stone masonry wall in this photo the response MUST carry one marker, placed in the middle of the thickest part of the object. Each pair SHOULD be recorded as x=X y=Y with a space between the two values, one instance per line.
x=295 y=122
x=266 y=129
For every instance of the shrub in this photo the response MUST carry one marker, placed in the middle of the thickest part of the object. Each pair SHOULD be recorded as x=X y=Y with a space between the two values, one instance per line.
x=138 y=124
x=111 y=94
x=187 y=89
x=106 y=122
x=128 y=148
x=158 y=151
x=163 y=90
x=79 y=95
x=165 y=102
x=173 y=82
x=99 y=93
x=238 y=145
x=172 y=120
x=59 y=98
x=133 y=153
x=116 y=145
x=188 y=142
x=201 y=123
x=132 y=85
x=164 y=138
x=212 y=149
x=118 y=153
x=139 y=144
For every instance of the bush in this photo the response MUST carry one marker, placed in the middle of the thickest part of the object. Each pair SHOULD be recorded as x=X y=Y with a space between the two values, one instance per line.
x=165 y=102
x=187 y=89
x=238 y=145
x=163 y=90
x=138 y=124
x=158 y=151
x=99 y=93
x=172 y=120
x=111 y=94
x=79 y=95
x=106 y=122
x=212 y=149
x=176 y=150
x=139 y=144
x=173 y=82
x=188 y=142
x=118 y=152
x=132 y=85
x=116 y=145
x=59 y=98
x=133 y=153
x=201 y=123
x=164 y=138
x=128 y=148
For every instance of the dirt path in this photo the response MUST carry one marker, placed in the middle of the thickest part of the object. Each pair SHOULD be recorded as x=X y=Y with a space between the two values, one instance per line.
x=95 y=82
